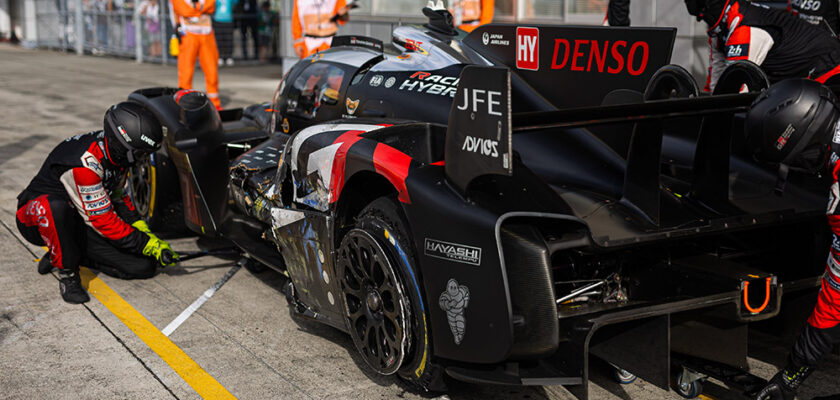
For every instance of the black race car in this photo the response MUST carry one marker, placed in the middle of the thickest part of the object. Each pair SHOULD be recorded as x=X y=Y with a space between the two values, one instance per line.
x=497 y=206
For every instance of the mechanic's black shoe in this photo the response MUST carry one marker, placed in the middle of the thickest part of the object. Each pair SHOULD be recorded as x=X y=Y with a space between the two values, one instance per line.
x=44 y=266
x=71 y=287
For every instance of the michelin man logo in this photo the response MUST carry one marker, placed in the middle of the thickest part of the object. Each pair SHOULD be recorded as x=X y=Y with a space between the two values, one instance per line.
x=454 y=300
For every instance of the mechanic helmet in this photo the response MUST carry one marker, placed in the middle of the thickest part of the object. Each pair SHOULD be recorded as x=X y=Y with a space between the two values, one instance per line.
x=710 y=11
x=131 y=131
x=792 y=123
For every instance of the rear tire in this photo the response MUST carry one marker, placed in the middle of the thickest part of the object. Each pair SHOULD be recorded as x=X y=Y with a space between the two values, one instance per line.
x=155 y=192
x=376 y=252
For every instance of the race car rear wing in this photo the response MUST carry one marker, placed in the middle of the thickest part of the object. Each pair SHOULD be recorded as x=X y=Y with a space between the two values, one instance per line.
x=481 y=128
x=572 y=66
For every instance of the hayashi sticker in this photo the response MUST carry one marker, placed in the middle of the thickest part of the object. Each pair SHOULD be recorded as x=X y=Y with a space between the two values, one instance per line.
x=351 y=106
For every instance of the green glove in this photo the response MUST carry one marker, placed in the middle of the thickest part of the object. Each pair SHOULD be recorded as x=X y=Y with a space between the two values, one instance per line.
x=161 y=251
x=141 y=226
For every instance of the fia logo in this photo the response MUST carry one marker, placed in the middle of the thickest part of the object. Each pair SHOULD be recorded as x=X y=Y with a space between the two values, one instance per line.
x=528 y=48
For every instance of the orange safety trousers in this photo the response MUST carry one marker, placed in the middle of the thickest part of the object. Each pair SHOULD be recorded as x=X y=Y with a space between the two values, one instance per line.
x=204 y=48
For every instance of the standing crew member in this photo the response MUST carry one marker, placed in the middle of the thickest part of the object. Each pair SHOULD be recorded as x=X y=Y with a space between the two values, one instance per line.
x=783 y=45
x=470 y=14
x=198 y=41
x=77 y=208
x=315 y=22
x=822 y=13
x=804 y=113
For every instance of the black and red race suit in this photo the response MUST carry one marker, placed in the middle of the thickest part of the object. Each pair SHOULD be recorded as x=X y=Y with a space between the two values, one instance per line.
x=822 y=331
x=75 y=201
x=783 y=45
x=822 y=13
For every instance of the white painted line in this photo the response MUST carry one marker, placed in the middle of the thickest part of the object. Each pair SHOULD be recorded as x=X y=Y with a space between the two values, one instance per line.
x=201 y=300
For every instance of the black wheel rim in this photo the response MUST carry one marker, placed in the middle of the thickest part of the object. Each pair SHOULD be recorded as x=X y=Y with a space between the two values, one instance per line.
x=140 y=185
x=374 y=306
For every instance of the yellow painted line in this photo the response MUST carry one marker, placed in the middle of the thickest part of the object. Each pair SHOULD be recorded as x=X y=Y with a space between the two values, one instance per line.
x=180 y=362
x=704 y=397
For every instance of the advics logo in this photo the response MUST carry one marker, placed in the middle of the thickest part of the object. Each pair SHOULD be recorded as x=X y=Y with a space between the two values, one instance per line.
x=528 y=48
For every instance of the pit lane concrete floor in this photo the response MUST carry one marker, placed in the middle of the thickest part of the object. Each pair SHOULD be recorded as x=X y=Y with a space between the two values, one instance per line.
x=242 y=337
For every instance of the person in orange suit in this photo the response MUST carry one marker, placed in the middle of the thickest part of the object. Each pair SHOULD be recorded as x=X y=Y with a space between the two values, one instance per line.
x=315 y=22
x=198 y=41
x=469 y=14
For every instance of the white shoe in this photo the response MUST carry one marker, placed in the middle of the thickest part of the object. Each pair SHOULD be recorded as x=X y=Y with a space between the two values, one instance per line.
x=229 y=61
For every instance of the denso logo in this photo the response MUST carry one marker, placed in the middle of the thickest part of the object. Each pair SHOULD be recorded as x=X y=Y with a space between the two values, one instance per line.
x=453 y=251
x=485 y=147
x=528 y=48
x=580 y=56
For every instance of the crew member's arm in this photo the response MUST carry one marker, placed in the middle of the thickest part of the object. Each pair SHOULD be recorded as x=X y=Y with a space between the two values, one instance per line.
x=94 y=205
x=342 y=12
x=209 y=7
x=297 y=31
x=487 y=12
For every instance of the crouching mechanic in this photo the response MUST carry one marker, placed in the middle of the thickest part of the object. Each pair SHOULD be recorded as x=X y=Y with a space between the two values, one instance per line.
x=76 y=206
x=783 y=45
x=795 y=124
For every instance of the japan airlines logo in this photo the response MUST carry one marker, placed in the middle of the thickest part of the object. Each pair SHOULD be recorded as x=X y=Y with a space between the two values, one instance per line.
x=528 y=48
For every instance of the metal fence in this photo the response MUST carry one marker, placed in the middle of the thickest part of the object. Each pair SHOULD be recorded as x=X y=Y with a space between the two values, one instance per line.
x=141 y=29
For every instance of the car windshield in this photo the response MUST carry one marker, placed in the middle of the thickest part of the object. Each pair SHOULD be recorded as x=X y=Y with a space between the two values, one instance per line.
x=317 y=85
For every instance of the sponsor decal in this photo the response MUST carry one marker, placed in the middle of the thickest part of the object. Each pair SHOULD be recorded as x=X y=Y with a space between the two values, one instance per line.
x=452 y=251
x=89 y=161
x=414 y=45
x=404 y=56
x=784 y=137
x=496 y=39
x=94 y=196
x=454 y=301
x=807 y=5
x=737 y=50
x=485 y=147
x=37 y=210
x=836 y=133
x=285 y=125
x=390 y=82
x=100 y=211
x=95 y=205
x=123 y=134
x=528 y=48
x=594 y=55
x=481 y=98
x=425 y=82
x=148 y=140
x=376 y=80
x=90 y=189
x=351 y=106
